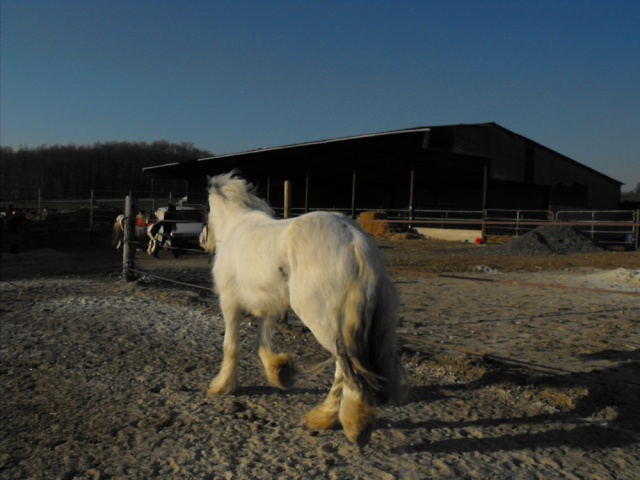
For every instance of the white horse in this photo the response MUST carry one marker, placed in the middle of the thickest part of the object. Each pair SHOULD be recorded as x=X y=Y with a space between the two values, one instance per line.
x=333 y=276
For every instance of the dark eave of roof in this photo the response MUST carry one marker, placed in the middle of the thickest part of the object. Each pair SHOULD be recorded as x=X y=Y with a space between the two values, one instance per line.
x=372 y=151
x=380 y=152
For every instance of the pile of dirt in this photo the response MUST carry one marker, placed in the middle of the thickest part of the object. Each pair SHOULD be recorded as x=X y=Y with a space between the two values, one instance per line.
x=549 y=240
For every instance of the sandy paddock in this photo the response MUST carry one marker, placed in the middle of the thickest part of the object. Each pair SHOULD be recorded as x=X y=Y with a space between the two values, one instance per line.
x=521 y=367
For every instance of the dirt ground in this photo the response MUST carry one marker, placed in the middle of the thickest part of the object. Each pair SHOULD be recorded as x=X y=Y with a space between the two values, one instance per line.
x=521 y=366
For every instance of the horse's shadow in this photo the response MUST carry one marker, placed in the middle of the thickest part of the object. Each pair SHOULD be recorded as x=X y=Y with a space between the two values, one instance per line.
x=584 y=426
x=266 y=390
x=613 y=388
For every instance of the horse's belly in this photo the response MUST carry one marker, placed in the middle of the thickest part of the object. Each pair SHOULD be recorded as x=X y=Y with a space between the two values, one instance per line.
x=321 y=323
x=261 y=295
x=265 y=302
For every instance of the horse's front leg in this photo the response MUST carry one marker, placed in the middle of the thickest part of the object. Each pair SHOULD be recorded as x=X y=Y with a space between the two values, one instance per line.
x=325 y=415
x=227 y=379
x=278 y=366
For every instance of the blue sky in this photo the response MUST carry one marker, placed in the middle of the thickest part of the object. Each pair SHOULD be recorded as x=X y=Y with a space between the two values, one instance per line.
x=231 y=76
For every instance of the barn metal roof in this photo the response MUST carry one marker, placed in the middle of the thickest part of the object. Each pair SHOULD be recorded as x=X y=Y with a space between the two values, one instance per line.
x=372 y=151
x=383 y=153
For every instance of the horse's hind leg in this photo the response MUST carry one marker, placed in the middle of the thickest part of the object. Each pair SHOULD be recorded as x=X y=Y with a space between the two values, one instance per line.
x=357 y=415
x=325 y=415
x=278 y=367
x=227 y=379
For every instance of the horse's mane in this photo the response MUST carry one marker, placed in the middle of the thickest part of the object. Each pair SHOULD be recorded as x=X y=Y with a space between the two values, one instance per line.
x=238 y=191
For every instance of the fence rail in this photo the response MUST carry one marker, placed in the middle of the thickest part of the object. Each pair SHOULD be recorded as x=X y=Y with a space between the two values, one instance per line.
x=52 y=221
x=612 y=227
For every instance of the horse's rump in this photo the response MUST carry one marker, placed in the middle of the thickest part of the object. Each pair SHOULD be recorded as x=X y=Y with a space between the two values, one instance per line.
x=340 y=267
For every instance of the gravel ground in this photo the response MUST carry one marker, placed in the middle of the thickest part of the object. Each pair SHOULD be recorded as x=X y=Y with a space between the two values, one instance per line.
x=522 y=366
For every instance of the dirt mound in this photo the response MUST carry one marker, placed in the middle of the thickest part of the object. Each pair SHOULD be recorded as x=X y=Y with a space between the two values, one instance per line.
x=549 y=240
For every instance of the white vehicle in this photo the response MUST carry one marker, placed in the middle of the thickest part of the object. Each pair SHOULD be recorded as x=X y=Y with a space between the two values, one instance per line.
x=186 y=232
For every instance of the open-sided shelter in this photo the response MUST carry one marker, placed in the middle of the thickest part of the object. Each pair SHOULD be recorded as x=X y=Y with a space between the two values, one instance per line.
x=455 y=167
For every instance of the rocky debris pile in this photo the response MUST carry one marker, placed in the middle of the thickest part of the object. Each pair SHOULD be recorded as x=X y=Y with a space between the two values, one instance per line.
x=549 y=240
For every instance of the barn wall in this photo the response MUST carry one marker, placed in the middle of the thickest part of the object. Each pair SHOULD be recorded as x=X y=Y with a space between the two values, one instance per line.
x=507 y=156
x=559 y=181
x=574 y=185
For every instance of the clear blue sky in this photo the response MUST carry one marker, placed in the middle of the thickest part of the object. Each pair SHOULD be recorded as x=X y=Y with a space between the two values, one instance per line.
x=235 y=75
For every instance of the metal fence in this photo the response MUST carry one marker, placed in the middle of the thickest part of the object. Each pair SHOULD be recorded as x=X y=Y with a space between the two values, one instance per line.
x=49 y=222
x=605 y=226
x=613 y=227
x=88 y=220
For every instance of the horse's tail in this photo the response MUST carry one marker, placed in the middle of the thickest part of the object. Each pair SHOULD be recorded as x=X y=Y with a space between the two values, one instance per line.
x=367 y=344
x=118 y=232
x=206 y=240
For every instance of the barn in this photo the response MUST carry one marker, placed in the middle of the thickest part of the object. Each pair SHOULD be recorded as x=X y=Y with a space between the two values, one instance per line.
x=467 y=167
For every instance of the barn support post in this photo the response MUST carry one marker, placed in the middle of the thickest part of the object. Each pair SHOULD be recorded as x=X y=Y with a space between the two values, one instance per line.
x=354 y=177
x=128 y=249
x=411 y=192
x=485 y=185
x=636 y=230
x=269 y=190
x=287 y=198
x=306 y=193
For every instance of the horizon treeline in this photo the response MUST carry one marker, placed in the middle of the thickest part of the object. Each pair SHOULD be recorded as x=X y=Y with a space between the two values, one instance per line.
x=72 y=171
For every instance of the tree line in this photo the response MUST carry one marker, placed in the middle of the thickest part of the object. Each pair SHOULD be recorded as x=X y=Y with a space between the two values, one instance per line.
x=71 y=171
x=631 y=200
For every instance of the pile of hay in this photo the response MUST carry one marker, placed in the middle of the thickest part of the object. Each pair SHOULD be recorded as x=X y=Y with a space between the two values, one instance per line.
x=374 y=223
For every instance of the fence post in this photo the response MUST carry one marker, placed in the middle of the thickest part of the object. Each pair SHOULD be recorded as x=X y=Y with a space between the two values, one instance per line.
x=91 y=205
x=39 y=204
x=287 y=199
x=636 y=230
x=128 y=249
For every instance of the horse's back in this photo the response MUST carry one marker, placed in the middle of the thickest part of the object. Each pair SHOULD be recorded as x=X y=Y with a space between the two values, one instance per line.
x=318 y=237
x=317 y=252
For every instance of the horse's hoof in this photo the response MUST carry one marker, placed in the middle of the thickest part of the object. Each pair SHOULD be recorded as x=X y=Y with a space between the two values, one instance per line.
x=321 y=418
x=216 y=389
x=361 y=438
x=358 y=419
x=281 y=372
x=287 y=375
x=214 y=392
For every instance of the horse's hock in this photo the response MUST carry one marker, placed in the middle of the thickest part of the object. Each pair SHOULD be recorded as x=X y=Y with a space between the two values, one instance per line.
x=374 y=224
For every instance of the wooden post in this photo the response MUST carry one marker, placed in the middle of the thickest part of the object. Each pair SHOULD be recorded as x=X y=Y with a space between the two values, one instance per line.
x=485 y=187
x=353 y=193
x=306 y=193
x=269 y=190
x=287 y=198
x=128 y=249
x=411 y=192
